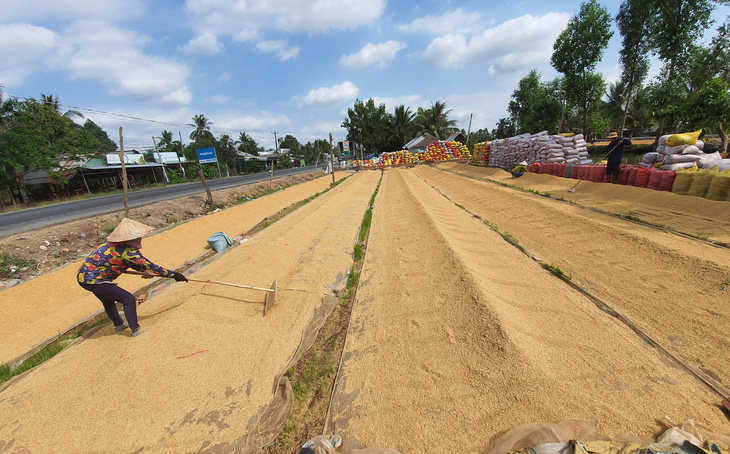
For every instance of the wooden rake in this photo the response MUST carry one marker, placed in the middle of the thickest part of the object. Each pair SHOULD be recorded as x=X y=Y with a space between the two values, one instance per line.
x=270 y=292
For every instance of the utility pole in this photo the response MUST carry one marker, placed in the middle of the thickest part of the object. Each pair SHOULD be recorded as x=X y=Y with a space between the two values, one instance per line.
x=124 y=174
x=332 y=160
x=468 y=131
x=159 y=158
x=276 y=142
x=181 y=152
x=362 y=161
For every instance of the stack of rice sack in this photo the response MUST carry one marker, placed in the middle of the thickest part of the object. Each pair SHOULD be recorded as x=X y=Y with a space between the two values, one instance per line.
x=507 y=153
x=481 y=154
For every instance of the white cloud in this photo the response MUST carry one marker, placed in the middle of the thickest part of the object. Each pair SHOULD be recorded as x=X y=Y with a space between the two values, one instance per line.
x=25 y=49
x=231 y=17
x=327 y=96
x=13 y=10
x=218 y=98
x=373 y=54
x=278 y=48
x=261 y=121
x=514 y=44
x=224 y=77
x=471 y=22
x=412 y=101
x=110 y=54
x=205 y=44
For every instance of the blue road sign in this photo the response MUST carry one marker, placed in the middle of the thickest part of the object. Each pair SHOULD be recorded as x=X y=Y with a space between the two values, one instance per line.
x=206 y=155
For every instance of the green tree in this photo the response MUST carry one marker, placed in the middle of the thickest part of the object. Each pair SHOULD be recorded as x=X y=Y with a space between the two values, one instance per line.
x=291 y=143
x=247 y=144
x=535 y=106
x=202 y=128
x=227 y=152
x=107 y=144
x=367 y=124
x=402 y=127
x=435 y=120
x=504 y=128
x=634 y=21
x=52 y=101
x=674 y=30
x=709 y=108
x=577 y=51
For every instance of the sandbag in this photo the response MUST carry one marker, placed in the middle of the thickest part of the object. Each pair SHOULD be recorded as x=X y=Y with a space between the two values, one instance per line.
x=654 y=179
x=708 y=161
x=691 y=150
x=623 y=177
x=642 y=177
x=702 y=182
x=667 y=180
x=720 y=187
x=632 y=176
x=677 y=158
x=683 y=181
x=687 y=138
x=219 y=241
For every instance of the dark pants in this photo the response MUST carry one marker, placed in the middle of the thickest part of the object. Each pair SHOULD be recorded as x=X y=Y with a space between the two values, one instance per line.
x=108 y=294
x=517 y=174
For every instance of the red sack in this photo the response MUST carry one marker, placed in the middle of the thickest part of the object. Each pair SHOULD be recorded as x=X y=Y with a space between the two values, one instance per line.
x=642 y=177
x=632 y=176
x=534 y=167
x=654 y=179
x=623 y=177
x=667 y=180
x=598 y=174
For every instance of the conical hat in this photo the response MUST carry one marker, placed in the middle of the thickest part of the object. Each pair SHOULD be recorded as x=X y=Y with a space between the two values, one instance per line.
x=128 y=230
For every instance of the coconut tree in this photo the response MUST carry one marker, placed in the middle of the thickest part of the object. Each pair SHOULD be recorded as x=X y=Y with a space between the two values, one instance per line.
x=52 y=101
x=202 y=128
x=436 y=120
x=166 y=142
x=402 y=126
x=246 y=144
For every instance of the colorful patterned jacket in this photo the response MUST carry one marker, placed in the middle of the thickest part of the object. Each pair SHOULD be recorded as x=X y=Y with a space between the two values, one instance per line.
x=110 y=260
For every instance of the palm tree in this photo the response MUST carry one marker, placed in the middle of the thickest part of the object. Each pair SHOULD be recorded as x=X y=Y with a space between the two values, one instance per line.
x=402 y=126
x=246 y=144
x=202 y=128
x=436 y=120
x=52 y=101
x=166 y=142
x=613 y=109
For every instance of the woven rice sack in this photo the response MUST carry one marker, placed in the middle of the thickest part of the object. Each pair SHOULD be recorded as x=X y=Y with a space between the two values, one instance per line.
x=702 y=182
x=720 y=187
x=684 y=180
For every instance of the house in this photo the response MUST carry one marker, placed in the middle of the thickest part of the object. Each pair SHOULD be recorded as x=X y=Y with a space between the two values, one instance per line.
x=420 y=143
x=458 y=137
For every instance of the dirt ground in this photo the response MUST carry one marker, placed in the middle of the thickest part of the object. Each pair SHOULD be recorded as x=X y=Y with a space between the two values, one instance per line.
x=207 y=363
x=51 y=247
x=455 y=328
x=456 y=335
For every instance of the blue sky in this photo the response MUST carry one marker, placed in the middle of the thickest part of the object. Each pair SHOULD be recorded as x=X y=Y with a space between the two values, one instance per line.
x=291 y=66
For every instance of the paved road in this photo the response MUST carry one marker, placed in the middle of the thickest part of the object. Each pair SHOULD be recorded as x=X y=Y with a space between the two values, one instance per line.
x=34 y=218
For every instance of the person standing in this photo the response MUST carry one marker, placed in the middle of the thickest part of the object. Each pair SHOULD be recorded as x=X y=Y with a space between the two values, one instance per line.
x=615 y=156
x=120 y=252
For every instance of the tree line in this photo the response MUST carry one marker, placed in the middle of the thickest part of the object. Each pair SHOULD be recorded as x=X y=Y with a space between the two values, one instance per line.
x=690 y=92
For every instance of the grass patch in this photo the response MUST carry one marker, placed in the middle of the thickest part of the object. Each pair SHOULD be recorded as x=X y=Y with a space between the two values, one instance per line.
x=313 y=376
x=359 y=252
x=10 y=261
x=109 y=229
x=511 y=239
x=726 y=284
x=555 y=269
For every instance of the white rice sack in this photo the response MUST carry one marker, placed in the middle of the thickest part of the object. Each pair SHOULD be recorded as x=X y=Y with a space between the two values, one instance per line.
x=677 y=149
x=580 y=143
x=585 y=162
x=661 y=148
x=723 y=164
x=700 y=144
x=691 y=150
x=644 y=164
x=651 y=157
x=555 y=159
x=578 y=137
x=556 y=154
x=582 y=154
x=677 y=158
x=663 y=139
x=680 y=165
x=707 y=161
x=579 y=149
x=571 y=160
